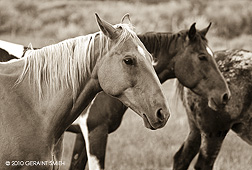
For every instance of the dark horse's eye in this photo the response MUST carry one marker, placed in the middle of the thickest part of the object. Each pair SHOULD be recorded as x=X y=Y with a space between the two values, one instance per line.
x=202 y=58
x=129 y=61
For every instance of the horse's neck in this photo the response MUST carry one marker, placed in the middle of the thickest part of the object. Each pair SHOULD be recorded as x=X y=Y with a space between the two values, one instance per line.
x=54 y=112
x=157 y=43
x=73 y=109
x=12 y=69
x=88 y=91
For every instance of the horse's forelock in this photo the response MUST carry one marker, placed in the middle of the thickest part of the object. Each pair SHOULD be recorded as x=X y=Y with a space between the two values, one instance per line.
x=127 y=32
x=199 y=35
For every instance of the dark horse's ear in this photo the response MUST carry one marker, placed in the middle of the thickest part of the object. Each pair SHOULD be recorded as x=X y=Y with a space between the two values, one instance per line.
x=205 y=30
x=107 y=28
x=192 y=32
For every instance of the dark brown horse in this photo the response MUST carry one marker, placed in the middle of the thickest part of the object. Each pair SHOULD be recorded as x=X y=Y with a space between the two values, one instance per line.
x=184 y=55
x=5 y=56
x=10 y=50
x=208 y=128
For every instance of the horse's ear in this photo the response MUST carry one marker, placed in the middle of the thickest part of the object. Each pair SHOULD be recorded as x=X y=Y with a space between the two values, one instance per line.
x=107 y=28
x=126 y=19
x=205 y=30
x=192 y=32
x=30 y=47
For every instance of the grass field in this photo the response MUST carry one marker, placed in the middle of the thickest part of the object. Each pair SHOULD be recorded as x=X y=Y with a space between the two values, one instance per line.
x=132 y=146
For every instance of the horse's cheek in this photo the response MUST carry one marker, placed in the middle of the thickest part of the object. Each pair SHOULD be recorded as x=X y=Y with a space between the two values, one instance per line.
x=107 y=83
x=184 y=72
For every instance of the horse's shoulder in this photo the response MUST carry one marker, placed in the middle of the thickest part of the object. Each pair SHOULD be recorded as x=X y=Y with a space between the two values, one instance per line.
x=243 y=127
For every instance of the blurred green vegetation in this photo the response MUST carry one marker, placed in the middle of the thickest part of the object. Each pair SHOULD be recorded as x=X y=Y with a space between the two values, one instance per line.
x=63 y=19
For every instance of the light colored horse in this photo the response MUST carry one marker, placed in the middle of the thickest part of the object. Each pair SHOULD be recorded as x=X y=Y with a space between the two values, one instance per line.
x=46 y=90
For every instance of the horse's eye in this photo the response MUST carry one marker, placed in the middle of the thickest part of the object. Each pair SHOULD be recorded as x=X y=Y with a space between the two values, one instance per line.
x=202 y=58
x=129 y=61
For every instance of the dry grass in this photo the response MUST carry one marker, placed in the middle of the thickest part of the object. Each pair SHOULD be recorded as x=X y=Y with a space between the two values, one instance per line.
x=46 y=22
x=133 y=146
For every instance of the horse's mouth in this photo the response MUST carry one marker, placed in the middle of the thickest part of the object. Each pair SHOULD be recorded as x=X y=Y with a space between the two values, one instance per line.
x=147 y=123
x=212 y=104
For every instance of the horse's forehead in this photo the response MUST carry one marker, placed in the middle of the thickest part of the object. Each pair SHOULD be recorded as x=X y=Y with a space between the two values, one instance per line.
x=134 y=45
x=202 y=47
x=141 y=51
x=209 y=51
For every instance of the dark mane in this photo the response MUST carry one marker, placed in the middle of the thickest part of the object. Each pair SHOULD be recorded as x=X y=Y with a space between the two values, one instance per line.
x=154 y=42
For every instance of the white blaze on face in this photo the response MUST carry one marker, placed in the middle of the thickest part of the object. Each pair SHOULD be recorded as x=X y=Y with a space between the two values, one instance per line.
x=154 y=63
x=209 y=51
x=141 y=51
x=93 y=162
x=13 y=49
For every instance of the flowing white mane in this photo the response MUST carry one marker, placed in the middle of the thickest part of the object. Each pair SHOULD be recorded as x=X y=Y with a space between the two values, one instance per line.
x=68 y=63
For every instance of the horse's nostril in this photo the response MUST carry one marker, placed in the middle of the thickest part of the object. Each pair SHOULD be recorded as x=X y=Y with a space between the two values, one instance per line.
x=160 y=115
x=225 y=98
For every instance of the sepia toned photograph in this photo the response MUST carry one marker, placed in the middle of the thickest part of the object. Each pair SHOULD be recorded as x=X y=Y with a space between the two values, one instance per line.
x=125 y=85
